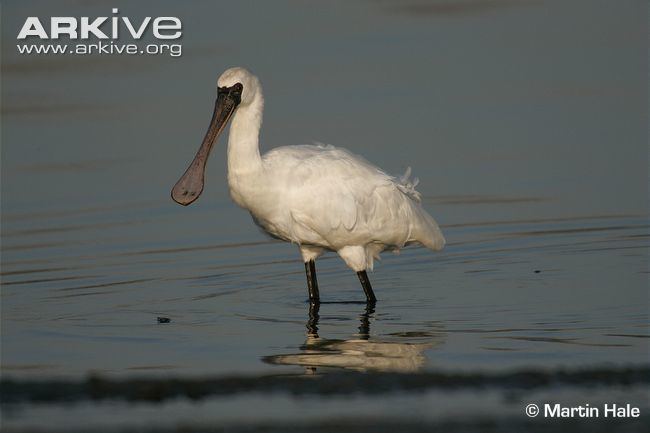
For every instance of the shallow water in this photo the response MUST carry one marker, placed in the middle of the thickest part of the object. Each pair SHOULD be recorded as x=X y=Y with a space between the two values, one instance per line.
x=535 y=166
x=505 y=294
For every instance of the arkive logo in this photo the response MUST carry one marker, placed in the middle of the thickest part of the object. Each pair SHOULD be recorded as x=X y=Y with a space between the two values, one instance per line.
x=105 y=30
x=82 y=28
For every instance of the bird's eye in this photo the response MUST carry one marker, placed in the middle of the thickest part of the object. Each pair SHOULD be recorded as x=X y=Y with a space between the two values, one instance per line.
x=238 y=87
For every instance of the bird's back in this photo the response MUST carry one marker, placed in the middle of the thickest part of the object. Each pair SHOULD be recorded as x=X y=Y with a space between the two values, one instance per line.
x=335 y=198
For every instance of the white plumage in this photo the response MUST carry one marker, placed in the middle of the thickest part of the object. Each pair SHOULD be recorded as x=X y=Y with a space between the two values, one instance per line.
x=320 y=197
x=326 y=198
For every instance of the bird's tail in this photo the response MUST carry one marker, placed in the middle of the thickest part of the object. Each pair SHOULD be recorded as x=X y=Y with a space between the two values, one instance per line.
x=425 y=229
x=427 y=232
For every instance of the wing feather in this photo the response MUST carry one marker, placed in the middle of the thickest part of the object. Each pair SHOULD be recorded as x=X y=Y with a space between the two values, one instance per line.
x=341 y=196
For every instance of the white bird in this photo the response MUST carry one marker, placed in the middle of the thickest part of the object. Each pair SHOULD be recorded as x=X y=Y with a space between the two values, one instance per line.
x=322 y=198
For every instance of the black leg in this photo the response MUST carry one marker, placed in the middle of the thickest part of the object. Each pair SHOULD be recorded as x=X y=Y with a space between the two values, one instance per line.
x=367 y=288
x=312 y=323
x=312 y=284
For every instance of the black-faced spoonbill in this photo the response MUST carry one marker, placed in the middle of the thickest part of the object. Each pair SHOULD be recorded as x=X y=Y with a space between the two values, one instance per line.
x=322 y=198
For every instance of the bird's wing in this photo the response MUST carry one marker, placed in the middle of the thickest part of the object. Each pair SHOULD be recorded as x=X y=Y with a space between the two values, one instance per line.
x=329 y=188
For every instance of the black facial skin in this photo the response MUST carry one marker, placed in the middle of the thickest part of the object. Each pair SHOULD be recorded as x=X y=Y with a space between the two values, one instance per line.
x=233 y=92
x=190 y=186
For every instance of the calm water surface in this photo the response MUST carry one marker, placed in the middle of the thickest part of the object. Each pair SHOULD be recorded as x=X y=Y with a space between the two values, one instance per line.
x=526 y=126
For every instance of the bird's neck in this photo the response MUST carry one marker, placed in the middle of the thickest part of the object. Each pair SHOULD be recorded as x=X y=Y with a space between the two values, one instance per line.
x=243 y=141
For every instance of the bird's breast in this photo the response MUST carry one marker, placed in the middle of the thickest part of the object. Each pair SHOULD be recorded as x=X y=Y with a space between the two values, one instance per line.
x=259 y=196
x=248 y=190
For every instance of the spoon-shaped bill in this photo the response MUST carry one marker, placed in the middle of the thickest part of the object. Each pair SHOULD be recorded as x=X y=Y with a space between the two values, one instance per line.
x=190 y=185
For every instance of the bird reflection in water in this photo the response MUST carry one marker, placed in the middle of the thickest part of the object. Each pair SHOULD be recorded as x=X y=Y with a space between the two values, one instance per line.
x=361 y=353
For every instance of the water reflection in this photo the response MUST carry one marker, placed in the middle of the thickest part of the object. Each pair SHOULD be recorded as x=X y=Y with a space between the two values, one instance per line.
x=361 y=353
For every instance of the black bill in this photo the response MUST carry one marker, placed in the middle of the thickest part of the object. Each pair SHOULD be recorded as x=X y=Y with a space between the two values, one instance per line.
x=190 y=185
